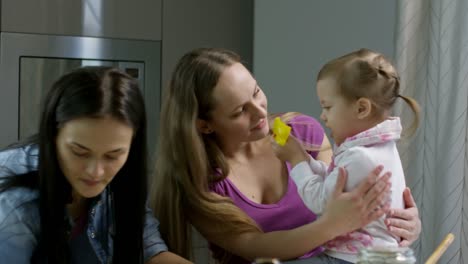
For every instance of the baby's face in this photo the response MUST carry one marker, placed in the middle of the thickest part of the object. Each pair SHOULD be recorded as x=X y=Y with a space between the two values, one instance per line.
x=338 y=113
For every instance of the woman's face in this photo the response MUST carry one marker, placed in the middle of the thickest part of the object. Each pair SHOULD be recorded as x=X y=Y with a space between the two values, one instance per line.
x=91 y=151
x=240 y=111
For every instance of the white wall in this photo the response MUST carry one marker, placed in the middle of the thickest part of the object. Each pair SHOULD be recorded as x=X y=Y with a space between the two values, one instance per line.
x=292 y=39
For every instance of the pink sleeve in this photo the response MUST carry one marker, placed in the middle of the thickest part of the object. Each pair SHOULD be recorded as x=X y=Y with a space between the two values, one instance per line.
x=308 y=130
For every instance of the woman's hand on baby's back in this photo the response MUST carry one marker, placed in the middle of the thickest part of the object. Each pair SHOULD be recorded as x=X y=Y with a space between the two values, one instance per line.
x=405 y=223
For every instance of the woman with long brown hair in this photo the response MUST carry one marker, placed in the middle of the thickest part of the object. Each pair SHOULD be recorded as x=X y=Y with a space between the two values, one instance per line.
x=216 y=170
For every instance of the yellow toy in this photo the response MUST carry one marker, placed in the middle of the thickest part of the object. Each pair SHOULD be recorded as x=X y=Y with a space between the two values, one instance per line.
x=281 y=131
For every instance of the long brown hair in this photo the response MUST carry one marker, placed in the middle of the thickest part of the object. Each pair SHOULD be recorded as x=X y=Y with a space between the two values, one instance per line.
x=365 y=73
x=189 y=161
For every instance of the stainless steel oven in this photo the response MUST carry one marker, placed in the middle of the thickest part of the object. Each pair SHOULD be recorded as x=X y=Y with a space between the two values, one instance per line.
x=30 y=63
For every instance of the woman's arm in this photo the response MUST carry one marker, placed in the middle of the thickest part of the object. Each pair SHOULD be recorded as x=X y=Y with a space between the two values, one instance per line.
x=405 y=223
x=19 y=229
x=167 y=257
x=346 y=211
x=154 y=245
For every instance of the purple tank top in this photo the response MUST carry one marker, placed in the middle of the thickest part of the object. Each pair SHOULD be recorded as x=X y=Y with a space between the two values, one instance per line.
x=289 y=212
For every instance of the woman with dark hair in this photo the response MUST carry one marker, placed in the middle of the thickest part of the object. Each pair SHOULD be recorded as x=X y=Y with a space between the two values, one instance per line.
x=76 y=192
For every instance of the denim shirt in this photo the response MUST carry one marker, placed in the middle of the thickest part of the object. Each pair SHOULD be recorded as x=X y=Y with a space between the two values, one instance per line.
x=20 y=221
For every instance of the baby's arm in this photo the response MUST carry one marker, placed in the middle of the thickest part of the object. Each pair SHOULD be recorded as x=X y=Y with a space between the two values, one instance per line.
x=315 y=191
x=318 y=167
x=310 y=186
x=308 y=173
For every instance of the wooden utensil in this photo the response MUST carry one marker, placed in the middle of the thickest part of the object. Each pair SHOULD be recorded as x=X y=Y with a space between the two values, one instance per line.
x=440 y=249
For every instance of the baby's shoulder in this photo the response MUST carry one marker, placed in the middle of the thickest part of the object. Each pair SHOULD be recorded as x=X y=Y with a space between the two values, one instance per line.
x=357 y=156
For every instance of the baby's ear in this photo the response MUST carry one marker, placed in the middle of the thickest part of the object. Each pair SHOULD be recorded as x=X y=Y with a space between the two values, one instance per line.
x=363 y=107
x=203 y=126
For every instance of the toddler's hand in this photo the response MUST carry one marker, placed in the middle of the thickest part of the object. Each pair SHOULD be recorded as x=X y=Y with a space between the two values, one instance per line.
x=292 y=151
